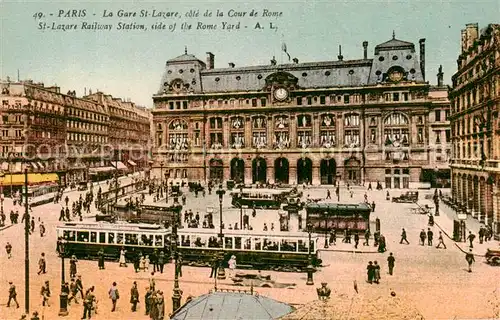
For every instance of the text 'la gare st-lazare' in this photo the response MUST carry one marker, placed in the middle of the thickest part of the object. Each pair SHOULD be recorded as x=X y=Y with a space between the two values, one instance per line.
x=193 y=13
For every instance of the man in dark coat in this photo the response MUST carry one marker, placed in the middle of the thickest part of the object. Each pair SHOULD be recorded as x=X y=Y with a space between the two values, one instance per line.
x=422 y=237
x=134 y=296
x=390 y=263
x=469 y=256
x=403 y=237
x=100 y=255
x=215 y=266
x=370 y=271
x=161 y=260
x=153 y=258
x=430 y=236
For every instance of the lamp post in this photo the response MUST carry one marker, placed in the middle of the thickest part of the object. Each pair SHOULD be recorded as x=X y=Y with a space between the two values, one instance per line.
x=26 y=245
x=63 y=296
x=326 y=230
x=167 y=175
x=2 y=176
x=161 y=179
x=221 y=274
x=310 y=268
x=177 y=292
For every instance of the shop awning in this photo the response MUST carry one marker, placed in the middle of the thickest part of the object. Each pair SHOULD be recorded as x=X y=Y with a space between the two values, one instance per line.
x=119 y=165
x=33 y=178
x=100 y=170
x=132 y=163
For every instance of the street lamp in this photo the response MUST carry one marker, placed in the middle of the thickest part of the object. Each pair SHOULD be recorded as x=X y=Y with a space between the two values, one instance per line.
x=2 y=175
x=326 y=230
x=161 y=179
x=221 y=274
x=167 y=175
x=310 y=268
x=177 y=292
x=63 y=296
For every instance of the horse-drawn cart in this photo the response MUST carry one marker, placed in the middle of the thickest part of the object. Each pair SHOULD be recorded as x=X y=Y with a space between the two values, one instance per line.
x=493 y=257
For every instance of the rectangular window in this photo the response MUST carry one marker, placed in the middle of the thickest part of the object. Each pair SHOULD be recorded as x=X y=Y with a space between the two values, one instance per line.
x=322 y=100
x=309 y=100
x=373 y=135
x=346 y=99
x=395 y=96
x=448 y=135
x=263 y=102
x=177 y=105
x=437 y=115
x=184 y=104
x=254 y=102
x=438 y=136
x=405 y=96
x=299 y=101
x=420 y=135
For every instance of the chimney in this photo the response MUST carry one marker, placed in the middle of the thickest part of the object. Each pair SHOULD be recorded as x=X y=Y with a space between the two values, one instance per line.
x=295 y=60
x=231 y=64
x=340 y=56
x=422 y=56
x=471 y=30
x=365 y=50
x=464 y=40
x=440 y=76
x=273 y=61
x=210 y=60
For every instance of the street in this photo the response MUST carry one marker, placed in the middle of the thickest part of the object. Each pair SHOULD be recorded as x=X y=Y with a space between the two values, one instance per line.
x=436 y=281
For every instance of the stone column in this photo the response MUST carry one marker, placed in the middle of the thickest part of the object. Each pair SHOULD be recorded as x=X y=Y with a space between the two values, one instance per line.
x=496 y=208
x=470 y=195
x=482 y=200
x=248 y=132
x=292 y=171
x=225 y=132
x=248 y=171
x=270 y=132
x=315 y=173
x=476 y=197
x=315 y=130
x=489 y=203
x=292 y=130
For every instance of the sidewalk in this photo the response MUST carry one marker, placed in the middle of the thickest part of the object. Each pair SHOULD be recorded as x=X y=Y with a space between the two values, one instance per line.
x=347 y=247
x=445 y=222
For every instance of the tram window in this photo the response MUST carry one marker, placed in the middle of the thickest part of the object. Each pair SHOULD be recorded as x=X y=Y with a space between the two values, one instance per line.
x=213 y=242
x=102 y=237
x=82 y=236
x=119 y=238
x=270 y=245
x=93 y=237
x=111 y=238
x=69 y=235
x=257 y=243
x=303 y=246
x=185 y=241
x=158 y=240
x=131 y=239
x=228 y=243
x=237 y=242
x=146 y=240
x=248 y=244
x=288 y=246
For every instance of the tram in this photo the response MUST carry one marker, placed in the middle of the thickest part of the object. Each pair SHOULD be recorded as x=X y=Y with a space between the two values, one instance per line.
x=280 y=251
x=259 y=198
x=85 y=239
x=325 y=217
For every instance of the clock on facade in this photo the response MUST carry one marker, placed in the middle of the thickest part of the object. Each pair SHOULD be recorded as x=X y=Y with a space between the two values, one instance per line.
x=396 y=76
x=280 y=94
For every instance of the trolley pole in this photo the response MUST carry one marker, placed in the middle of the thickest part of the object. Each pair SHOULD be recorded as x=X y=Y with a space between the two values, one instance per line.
x=26 y=246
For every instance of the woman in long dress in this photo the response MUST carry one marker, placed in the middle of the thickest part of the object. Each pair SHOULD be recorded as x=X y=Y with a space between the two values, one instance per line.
x=122 y=261
x=376 y=276
x=232 y=266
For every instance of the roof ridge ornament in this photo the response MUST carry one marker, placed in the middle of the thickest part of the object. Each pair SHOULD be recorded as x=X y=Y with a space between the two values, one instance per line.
x=185 y=50
x=393 y=34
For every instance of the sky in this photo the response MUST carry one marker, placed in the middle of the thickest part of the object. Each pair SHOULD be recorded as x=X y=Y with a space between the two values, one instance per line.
x=130 y=63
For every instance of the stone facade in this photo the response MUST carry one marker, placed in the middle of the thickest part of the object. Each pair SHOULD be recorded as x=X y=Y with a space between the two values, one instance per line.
x=475 y=124
x=52 y=132
x=360 y=121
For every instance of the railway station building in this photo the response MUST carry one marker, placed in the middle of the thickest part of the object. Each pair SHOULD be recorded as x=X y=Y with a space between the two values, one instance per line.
x=372 y=119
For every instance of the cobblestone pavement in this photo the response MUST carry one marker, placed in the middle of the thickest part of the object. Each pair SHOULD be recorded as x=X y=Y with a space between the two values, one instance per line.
x=436 y=281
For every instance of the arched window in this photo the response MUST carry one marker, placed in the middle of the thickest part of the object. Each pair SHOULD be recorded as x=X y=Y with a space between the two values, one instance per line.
x=237 y=132
x=178 y=135
x=259 y=132
x=327 y=130
x=396 y=129
x=304 y=130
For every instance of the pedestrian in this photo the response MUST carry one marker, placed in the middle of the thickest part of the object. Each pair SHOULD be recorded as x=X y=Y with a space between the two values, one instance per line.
x=147 y=299
x=114 y=296
x=430 y=236
x=179 y=264
x=79 y=285
x=161 y=260
x=88 y=303
x=134 y=296
x=441 y=242
x=370 y=271
x=376 y=272
x=73 y=290
x=390 y=263
x=469 y=256
x=61 y=215
x=146 y=263
x=72 y=266
x=122 y=261
x=373 y=206
x=369 y=186
x=137 y=262
x=160 y=305
x=215 y=266
x=328 y=195
x=12 y=294
x=8 y=249
x=387 y=196
x=42 y=229
x=471 y=238
x=45 y=293
x=100 y=262
x=422 y=237
x=382 y=244
x=42 y=264
x=333 y=237
x=367 y=237
x=232 y=266
x=403 y=237
x=356 y=240
x=35 y=316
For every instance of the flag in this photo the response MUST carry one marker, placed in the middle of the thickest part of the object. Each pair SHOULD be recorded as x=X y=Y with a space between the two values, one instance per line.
x=283 y=47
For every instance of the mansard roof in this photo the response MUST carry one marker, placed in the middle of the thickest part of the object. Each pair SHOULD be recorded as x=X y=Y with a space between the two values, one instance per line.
x=184 y=58
x=394 y=44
